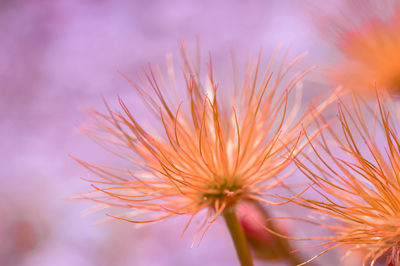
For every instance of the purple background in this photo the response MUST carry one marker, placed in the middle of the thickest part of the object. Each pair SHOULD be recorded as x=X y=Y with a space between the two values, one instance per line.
x=59 y=57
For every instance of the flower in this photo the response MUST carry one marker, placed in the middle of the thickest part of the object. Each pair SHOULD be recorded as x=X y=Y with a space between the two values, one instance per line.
x=219 y=145
x=368 y=36
x=359 y=185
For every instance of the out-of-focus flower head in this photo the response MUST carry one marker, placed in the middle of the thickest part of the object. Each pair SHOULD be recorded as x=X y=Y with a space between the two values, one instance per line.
x=359 y=183
x=219 y=144
x=368 y=35
x=24 y=229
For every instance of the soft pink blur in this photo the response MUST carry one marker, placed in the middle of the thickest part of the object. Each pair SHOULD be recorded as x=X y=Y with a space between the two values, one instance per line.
x=57 y=58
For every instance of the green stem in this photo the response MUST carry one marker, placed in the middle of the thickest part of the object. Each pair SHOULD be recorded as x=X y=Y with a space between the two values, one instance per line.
x=238 y=237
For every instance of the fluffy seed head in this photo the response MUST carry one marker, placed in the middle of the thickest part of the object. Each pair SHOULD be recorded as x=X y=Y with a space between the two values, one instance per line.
x=218 y=145
x=368 y=36
x=359 y=185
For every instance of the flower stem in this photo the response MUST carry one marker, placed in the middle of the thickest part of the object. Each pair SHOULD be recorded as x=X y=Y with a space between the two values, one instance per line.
x=238 y=237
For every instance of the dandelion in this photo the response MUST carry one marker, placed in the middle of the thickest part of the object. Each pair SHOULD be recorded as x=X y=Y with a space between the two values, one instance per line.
x=216 y=147
x=360 y=186
x=368 y=36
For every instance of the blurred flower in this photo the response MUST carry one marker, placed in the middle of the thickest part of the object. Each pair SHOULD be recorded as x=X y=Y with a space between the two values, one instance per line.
x=368 y=35
x=216 y=147
x=362 y=192
x=24 y=230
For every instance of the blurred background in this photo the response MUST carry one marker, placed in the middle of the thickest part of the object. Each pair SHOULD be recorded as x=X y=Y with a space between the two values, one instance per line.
x=59 y=57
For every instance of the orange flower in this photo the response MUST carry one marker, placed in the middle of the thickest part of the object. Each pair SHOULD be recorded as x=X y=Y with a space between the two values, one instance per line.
x=359 y=186
x=368 y=35
x=219 y=145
